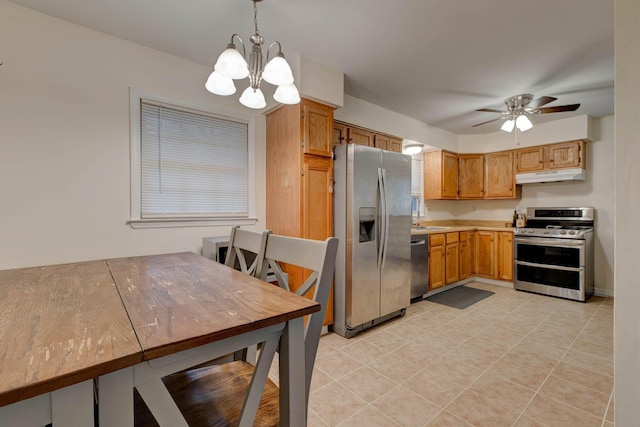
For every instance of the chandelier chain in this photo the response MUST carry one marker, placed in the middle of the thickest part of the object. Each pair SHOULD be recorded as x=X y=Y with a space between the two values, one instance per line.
x=255 y=17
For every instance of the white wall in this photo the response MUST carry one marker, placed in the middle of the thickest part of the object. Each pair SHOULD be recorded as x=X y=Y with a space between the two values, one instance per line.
x=627 y=199
x=371 y=116
x=64 y=141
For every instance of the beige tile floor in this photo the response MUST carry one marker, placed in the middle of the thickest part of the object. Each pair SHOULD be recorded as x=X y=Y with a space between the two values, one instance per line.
x=513 y=359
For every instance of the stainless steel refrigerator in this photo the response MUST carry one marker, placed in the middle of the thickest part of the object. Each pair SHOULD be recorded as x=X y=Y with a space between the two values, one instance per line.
x=372 y=200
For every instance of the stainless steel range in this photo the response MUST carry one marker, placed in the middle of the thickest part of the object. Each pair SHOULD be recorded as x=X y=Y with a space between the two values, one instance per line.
x=553 y=254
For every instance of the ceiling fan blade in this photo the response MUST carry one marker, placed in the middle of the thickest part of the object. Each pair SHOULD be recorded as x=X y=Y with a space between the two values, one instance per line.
x=559 y=108
x=539 y=102
x=484 y=123
x=489 y=110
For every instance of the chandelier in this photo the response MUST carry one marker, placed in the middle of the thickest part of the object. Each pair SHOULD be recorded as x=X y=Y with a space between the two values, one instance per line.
x=231 y=65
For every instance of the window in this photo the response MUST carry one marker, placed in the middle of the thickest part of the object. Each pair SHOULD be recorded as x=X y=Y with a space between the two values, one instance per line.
x=189 y=167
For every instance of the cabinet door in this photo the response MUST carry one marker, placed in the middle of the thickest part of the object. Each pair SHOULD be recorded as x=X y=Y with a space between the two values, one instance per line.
x=452 y=258
x=486 y=250
x=339 y=134
x=449 y=175
x=317 y=208
x=470 y=176
x=436 y=261
x=465 y=255
x=473 y=252
x=499 y=175
x=395 y=144
x=381 y=141
x=530 y=159
x=317 y=120
x=566 y=155
x=360 y=137
x=505 y=256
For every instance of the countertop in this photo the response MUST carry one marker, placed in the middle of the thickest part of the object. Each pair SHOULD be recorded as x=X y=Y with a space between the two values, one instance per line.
x=460 y=225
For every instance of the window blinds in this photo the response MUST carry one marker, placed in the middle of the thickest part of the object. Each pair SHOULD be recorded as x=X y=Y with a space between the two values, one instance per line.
x=192 y=164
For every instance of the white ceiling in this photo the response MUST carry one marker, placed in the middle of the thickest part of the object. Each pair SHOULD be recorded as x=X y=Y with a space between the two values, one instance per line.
x=434 y=60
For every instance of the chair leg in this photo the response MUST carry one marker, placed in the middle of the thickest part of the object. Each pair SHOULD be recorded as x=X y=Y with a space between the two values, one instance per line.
x=252 y=400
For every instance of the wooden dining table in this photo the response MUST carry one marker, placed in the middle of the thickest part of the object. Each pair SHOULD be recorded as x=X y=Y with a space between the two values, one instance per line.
x=81 y=336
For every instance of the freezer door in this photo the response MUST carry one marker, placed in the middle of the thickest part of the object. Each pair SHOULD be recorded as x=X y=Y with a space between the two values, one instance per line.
x=395 y=281
x=363 y=239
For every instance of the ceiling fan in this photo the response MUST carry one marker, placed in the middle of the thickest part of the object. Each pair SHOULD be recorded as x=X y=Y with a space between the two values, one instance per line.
x=519 y=107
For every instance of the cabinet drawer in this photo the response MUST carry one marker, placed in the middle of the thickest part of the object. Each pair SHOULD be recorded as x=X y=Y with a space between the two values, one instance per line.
x=452 y=237
x=436 y=240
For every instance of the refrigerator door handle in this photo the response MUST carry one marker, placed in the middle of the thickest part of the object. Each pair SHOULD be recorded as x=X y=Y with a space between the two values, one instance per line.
x=384 y=232
x=386 y=219
x=382 y=214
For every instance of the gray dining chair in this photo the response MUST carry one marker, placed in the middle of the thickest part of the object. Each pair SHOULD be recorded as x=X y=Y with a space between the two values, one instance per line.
x=246 y=250
x=213 y=395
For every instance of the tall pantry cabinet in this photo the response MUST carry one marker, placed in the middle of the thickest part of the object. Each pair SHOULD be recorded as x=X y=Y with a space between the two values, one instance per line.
x=299 y=169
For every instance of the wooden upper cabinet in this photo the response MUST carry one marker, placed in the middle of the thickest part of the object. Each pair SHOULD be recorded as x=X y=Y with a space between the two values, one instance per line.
x=344 y=133
x=339 y=134
x=562 y=155
x=395 y=144
x=360 y=137
x=440 y=175
x=500 y=179
x=566 y=155
x=470 y=176
x=530 y=159
x=381 y=141
x=317 y=124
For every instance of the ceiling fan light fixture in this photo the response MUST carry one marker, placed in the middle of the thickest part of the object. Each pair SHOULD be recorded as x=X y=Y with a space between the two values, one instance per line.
x=523 y=123
x=508 y=125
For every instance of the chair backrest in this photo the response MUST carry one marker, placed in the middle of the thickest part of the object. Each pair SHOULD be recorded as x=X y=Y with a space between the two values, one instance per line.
x=319 y=259
x=246 y=242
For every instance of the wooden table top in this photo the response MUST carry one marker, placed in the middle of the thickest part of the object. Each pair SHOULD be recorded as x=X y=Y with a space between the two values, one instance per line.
x=180 y=301
x=60 y=325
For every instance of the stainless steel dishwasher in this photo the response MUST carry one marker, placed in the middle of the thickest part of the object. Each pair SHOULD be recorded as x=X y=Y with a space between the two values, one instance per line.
x=419 y=266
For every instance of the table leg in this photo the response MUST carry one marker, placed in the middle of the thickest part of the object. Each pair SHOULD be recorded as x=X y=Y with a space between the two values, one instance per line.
x=73 y=405
x=293 y=411
x=115 y=393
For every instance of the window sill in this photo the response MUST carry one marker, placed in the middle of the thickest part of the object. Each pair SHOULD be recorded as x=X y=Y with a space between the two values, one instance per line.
x=189 y=222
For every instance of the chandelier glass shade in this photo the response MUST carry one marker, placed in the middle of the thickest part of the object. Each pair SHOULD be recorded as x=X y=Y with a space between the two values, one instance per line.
x=232 y=65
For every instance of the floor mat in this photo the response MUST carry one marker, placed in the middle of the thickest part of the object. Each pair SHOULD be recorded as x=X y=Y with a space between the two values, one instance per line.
x=460 y=297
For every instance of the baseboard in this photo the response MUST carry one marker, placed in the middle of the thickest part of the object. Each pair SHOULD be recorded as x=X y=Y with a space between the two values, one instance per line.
x=608 y=293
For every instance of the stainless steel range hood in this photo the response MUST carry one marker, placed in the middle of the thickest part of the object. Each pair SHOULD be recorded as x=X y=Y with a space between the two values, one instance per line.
x=576 y=174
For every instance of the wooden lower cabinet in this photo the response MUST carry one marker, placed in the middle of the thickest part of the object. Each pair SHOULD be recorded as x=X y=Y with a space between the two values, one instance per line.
x=504 y=258
x=457 y=256
x=465 y=255
x=436 y=261
x=452 y=258
x=486 y=254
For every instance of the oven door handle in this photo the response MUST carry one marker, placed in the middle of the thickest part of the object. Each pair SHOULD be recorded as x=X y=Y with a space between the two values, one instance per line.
x=559 y=242
x=549 y=266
